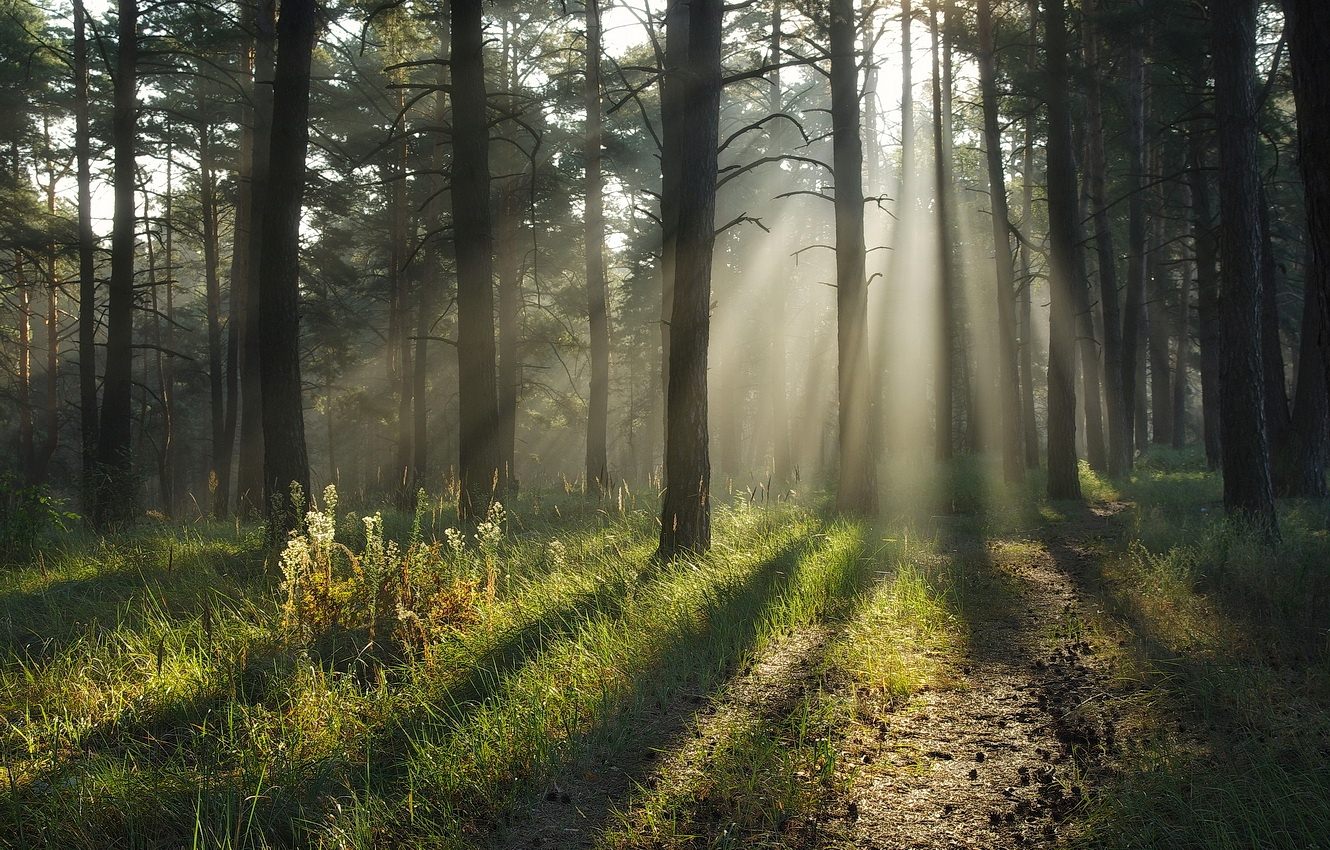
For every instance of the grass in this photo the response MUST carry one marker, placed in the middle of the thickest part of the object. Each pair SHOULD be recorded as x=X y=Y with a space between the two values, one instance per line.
x=1225 y=669
x=152 y=696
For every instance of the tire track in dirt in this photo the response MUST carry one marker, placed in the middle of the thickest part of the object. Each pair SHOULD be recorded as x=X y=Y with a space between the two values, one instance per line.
x=1002 y=756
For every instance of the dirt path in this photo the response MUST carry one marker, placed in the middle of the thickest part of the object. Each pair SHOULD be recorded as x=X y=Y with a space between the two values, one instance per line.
x=1001 y=758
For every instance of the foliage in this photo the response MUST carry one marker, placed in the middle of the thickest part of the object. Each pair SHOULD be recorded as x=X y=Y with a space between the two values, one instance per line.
x=29 y=518
x=401 y=596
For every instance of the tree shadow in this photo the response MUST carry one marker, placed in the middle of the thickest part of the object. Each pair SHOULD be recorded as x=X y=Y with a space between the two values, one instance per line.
x=173 y=735
x=283 y=801
x=575 y=801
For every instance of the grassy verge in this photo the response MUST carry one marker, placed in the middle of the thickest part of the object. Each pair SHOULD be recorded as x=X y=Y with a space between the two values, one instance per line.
x=1224 y=672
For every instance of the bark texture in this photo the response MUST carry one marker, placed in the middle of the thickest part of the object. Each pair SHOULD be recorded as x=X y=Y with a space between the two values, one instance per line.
x=598 y=403
x=685 y=524
x=1008 y=378
x=1248 y=492
x=857 y=489
x=285 y=462
x=478 y=447
x=117 y=491
x=1063 y=475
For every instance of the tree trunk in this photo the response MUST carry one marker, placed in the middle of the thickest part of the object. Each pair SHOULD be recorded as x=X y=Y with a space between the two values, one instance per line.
x=219 y=476
x=1181 y=358
x=25 y=421
x=1246 y=456
x=1207 y=294
x=285 y=462
x=1134 y=310
x=857 y=490
x=1119 y=424
x=1063 y=475
x=1300 y=457
x=1161 y=372
x=1087 y=343
x=944 y=384
x=1008 y=377
x=433 y=286
x=1310 y=52
x=117 y=491
x=478 y=445
x=597 y=461
x=1277 y=411
x=1029 y=421
x=87 y=316
x=162 y=315
x=250 y=482
x=673 y=109
x=907 y=104
x=403 y=375
x=686 y=513
x=239 y=273
x=782 y=464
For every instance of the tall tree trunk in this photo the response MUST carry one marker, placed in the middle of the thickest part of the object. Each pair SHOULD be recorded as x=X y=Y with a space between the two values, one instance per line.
x=1087 y=343
x=238 y=275
x=219 y=476
x=1134 y=311
x=598 y=406
x=87 y=316
x=1029 y=422
x=478 y=446
x=25 y=420
x=161 y=340
x=1246 y=456
x=686 y=513
x=1119 y=423
x=1207 y=294
x=1300 y=457
x=433 y=286
x=1277 y=411
x=1159 y=320
x=117 y=491
x=250 y=482
x=1181 y=357
x=508 y=252
x=285 y=462
x=673 y=106
x=782 y=464
x=51 y=413
x=403 y=374
x=907 y=102
x=1310 y=52
x=857 y=490
x=1008 y=377
x=944 y=385
x=1063 y=475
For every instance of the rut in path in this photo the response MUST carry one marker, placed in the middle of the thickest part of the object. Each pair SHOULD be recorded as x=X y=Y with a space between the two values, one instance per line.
x=1002 y=757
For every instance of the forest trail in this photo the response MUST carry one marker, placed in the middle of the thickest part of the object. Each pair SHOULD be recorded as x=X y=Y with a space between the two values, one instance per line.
x=668 y=753
x=1002 y=755
x=997 y=753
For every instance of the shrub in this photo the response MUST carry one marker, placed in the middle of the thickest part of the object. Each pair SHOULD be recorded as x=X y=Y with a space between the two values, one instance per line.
x=29 y=517
x=400 y=596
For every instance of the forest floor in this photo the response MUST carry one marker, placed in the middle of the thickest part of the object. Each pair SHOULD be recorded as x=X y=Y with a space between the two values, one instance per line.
x=1126 y=672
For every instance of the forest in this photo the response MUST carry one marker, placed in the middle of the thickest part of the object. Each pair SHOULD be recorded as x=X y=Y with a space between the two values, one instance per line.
x=664 y=424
